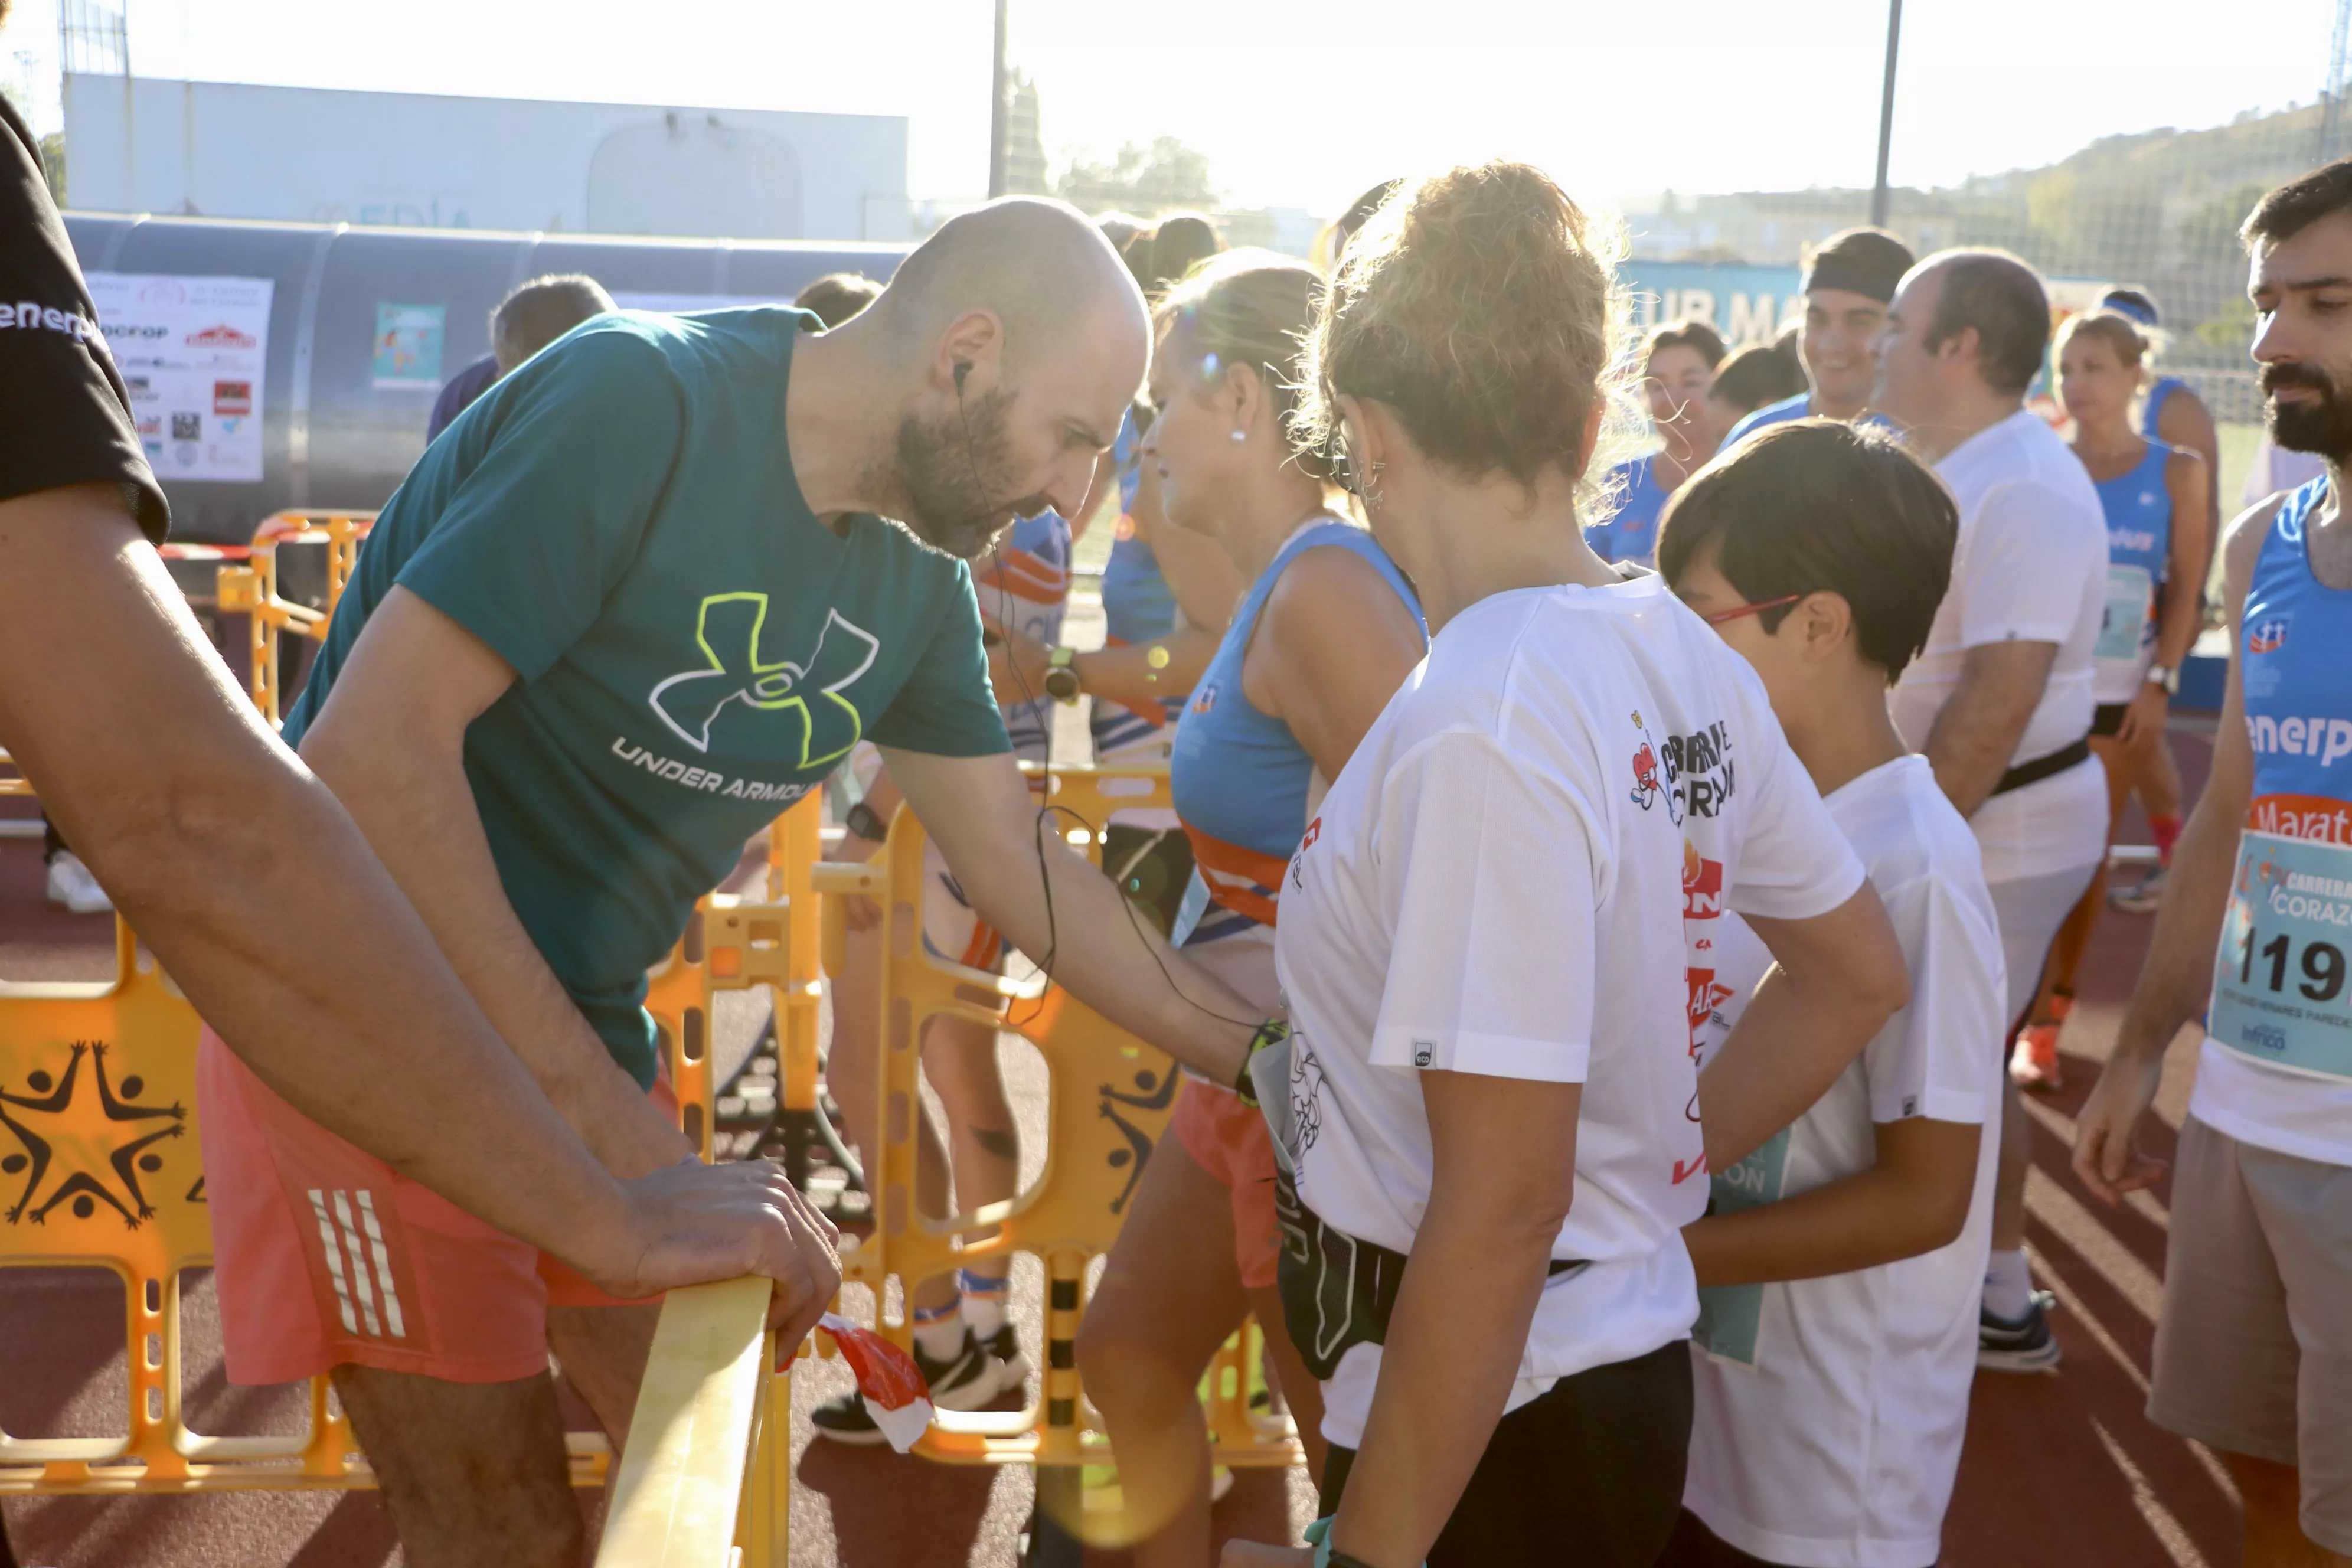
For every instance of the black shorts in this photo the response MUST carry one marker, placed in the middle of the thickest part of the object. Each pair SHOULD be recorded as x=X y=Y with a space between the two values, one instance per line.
x=2107 y=719
x=1590 y=1473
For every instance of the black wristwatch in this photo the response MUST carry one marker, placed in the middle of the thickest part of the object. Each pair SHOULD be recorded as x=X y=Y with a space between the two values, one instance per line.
x=1061 y=679
x=866 y=823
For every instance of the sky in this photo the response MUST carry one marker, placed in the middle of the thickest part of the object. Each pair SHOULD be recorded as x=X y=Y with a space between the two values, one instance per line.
x=1304 y=105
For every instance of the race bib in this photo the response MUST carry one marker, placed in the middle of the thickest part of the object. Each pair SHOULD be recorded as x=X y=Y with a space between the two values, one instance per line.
x=2131 y=606
x=1730 y=1316
x=2279 y=992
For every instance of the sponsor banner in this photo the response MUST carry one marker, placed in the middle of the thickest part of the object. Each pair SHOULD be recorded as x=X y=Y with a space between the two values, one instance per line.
x=408 y=347
x=1746 y=304
x=191 y=351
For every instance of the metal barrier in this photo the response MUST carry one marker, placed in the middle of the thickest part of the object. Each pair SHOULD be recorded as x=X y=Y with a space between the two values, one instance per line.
x=251 y=589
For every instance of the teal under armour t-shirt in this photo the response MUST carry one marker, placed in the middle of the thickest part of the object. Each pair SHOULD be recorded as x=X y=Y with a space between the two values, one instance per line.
x=618 y=521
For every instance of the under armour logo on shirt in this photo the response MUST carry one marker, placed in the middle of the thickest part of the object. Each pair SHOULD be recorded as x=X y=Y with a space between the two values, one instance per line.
x=727 y=628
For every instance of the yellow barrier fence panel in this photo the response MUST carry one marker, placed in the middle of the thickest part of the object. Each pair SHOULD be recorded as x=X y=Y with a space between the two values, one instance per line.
x=1109 y=1100
x=682 y=1475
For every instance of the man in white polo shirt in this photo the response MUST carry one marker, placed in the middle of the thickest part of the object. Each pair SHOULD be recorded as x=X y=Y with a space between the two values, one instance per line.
x=2000 y=700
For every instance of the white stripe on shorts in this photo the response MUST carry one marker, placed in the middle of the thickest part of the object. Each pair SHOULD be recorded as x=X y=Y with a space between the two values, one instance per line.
x=334 y=1260
x=383 y=1266
x=359 y=1266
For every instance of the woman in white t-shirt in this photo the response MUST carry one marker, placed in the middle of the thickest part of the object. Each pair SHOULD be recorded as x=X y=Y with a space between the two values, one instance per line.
x=1489 y=1102
x=1839 y=1268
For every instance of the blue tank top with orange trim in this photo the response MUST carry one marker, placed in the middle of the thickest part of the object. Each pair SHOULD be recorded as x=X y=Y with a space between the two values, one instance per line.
x=2298 y=700
x=1138 y=605
x=2138 y=504
x=1024 y=583
x=1239 y=776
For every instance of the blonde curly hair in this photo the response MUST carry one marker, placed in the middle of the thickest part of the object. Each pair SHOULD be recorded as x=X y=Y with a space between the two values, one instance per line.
x=1482 y=306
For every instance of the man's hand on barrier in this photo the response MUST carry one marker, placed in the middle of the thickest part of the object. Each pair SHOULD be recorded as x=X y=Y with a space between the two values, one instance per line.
x=692 y=1223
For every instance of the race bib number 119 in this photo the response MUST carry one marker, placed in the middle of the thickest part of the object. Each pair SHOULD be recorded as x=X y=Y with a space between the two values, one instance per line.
x=2280 y=991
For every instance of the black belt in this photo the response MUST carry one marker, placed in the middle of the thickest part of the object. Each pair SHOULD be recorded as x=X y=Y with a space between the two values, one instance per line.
x=2041 y=768
x=1338 y=1289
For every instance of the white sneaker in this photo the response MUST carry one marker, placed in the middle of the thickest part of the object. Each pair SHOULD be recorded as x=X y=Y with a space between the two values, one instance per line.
x=71 y=884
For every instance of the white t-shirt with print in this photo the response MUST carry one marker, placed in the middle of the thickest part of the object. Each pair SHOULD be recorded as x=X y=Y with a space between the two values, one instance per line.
x=1495 y=884
x=1829 y=1412
x=2031 y=566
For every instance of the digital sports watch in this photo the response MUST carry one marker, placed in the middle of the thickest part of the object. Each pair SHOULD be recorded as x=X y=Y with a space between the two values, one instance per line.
x=1061 y=677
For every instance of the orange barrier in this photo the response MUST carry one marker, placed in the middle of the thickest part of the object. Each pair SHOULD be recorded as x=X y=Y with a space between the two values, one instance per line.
x=1108 y=1105
x=251 y=589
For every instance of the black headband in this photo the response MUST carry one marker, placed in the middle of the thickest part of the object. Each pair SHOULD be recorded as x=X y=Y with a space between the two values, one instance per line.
x=1831 y=270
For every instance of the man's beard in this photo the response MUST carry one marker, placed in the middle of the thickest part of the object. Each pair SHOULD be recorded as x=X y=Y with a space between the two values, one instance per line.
x=958 y=478
x=2323 y=427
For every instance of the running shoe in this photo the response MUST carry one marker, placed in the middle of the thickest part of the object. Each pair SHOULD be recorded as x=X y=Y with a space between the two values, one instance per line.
x=2026 y=1345
x=2142 y=897
x=967 y=1381
x=2034 y=1063
x=71 y=884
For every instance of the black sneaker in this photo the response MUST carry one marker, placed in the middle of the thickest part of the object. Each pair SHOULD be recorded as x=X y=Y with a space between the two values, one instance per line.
x=2024 y=1345
x=966 y=1381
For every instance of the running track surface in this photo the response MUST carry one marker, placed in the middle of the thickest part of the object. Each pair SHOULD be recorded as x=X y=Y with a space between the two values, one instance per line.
x=2060 y=1469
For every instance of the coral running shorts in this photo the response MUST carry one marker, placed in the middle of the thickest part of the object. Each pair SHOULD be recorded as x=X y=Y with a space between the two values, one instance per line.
x=324 y=1256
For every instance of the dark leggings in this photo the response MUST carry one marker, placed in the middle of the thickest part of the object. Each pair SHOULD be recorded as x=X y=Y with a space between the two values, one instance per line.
x=1589 y=1475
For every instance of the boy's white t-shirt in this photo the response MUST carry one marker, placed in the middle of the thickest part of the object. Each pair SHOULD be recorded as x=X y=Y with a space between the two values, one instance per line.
x=1827 y=1431
x=1496 y=884
x=2030 y=565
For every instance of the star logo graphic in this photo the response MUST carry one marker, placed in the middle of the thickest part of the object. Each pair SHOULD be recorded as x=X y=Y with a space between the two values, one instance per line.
x=50 y=1125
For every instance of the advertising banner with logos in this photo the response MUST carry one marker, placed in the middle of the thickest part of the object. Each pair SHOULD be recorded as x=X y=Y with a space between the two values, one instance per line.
x=192 y=351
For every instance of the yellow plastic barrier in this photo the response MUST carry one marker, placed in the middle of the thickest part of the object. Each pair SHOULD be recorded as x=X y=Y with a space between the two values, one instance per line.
x=251 y=590
x=99 y=1167
x=704 y=1480
x=1109 y=1102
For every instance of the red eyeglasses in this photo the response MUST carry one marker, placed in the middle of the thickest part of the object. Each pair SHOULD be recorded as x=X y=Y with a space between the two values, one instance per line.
x=1721 y=616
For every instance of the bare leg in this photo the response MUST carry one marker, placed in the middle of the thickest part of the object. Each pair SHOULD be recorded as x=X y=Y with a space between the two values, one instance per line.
x=1169 y=1295
x=2159 y=782
x=2271 y=1535
x=1299 y=1389
x=603 y=1353
x=853 y=1073
x=983 y=1143
x=474 y=1473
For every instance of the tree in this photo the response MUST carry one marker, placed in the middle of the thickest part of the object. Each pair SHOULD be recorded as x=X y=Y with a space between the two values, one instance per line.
x=1169 y=177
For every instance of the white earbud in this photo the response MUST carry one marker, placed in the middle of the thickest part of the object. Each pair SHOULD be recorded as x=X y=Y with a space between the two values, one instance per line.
x=1240 y=436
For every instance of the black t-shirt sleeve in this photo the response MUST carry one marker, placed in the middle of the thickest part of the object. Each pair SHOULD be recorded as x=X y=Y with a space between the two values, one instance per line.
x=65 y=415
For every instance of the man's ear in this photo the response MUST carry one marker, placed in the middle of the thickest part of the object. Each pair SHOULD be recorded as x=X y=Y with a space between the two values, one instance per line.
x=970 y=356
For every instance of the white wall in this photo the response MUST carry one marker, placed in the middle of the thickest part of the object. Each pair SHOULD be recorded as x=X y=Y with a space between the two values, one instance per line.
x=308 y=155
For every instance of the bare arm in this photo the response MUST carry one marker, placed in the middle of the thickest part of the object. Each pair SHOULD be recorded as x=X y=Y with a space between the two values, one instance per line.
x=2190 y=485
x=980 y=812
x=1837 y=979
x=1504 y=1172
x=2185 y=422
x=2176 y=978
x=1331 y=647
x=391 y=743
x=1913 y=1199
x=216 y=843
x=1134 y=673
x=1977 y=733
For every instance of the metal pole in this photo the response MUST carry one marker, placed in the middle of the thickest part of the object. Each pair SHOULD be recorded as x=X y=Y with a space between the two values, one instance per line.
x=999 y=110
x=1886 y=113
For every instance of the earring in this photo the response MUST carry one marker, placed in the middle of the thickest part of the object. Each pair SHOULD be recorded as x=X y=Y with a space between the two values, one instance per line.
x=1240 y=436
